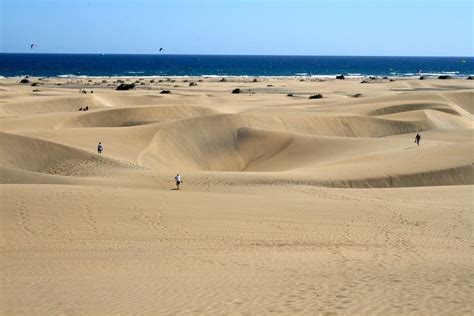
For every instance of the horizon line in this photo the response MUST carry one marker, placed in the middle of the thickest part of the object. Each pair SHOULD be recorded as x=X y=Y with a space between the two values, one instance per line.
x=235 y=55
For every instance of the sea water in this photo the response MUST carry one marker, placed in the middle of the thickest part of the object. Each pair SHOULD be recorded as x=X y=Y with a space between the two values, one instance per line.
x=227 y=65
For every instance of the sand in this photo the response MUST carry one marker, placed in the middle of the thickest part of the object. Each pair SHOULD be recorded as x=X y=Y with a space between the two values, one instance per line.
x=288 y=205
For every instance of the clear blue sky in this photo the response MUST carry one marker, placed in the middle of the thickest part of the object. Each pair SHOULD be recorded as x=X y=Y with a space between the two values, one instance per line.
x=267 y=27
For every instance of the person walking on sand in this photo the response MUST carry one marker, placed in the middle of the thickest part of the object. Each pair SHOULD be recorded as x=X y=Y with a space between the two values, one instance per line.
x=100 y=148
x=417 y=139
x=178 y=181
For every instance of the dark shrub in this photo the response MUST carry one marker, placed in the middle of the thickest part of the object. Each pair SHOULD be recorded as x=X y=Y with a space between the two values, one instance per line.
x=289 y=95
x=236 y=91
x=316 y=96
x=125 y=86
x=444 y=77
x=165 y=92
x=24 y=81
x=192 y=84
x=340 y=77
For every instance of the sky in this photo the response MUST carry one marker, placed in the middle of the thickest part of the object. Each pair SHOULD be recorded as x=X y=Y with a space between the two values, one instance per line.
x=240 y=27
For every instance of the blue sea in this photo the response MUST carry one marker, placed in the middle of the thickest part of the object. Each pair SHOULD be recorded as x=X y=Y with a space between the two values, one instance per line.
x=226 y=65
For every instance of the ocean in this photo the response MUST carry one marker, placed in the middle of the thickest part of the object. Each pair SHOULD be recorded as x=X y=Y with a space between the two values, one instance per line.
x=53 y=65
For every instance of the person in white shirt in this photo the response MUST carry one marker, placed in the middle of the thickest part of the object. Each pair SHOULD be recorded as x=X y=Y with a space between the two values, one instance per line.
x=100 y=148
x=178 y=181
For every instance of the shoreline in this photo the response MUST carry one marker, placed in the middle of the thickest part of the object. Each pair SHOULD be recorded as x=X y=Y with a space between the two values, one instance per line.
x=308 y=77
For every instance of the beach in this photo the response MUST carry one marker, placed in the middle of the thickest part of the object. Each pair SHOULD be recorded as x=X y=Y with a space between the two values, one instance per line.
x=288 y=205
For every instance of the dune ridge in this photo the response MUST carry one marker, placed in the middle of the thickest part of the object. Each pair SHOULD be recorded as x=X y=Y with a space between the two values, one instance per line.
x=49 y=105
x=138 y=115
x=49 y=157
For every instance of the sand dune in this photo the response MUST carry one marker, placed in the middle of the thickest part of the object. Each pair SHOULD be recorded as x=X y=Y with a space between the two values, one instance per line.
x=133 y=116
x=33 y=122
x=48 y=105
x=213 y=142
x=400 y=108
x=131 y=98
x=272 y=135
x=10 y=175
x=464 y=100
x=406 y=161
x=288 y=205
x=121 y=143
x=17 y=152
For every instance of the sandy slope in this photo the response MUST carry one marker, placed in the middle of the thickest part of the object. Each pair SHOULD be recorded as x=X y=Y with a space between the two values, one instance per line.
x=289 y=205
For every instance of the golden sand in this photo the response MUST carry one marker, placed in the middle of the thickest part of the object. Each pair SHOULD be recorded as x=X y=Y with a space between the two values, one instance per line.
x=288 y=205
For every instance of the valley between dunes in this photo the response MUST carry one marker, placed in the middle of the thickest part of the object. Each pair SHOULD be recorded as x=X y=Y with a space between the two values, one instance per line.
x=288 y=205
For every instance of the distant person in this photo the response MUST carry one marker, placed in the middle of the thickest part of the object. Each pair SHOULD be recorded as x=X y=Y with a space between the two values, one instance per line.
x=178 y=181
x=100 y=148
x=417 y=139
